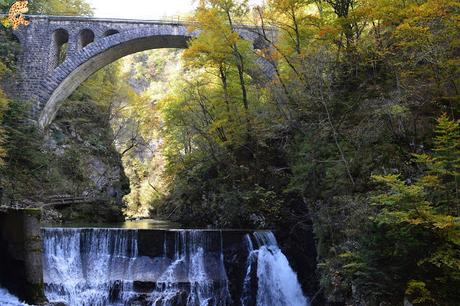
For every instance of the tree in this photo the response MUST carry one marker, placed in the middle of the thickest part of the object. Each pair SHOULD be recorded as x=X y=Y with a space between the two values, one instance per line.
x=423 y=221
x=4 y=101
x=61 y=7
x=216 y=19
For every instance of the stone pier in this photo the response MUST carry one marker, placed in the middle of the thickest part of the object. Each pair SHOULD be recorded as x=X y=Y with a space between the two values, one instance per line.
x=21 y=270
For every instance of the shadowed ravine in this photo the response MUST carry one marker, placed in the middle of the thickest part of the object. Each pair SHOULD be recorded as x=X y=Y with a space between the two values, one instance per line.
x=101 y=266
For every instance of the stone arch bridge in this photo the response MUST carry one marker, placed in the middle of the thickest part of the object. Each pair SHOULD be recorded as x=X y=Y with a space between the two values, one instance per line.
x=59 y=53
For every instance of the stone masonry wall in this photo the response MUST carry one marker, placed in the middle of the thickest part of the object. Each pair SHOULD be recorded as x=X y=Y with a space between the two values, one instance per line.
x=21 y=270
x=45 y=84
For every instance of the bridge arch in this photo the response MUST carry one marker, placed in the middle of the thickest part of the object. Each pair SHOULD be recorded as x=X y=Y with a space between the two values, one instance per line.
x=60 y=52
x=86 y=36
x=59 y=46
x=83 y=63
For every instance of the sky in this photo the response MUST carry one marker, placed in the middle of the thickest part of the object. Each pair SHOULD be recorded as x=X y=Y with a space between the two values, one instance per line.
x=142 y=9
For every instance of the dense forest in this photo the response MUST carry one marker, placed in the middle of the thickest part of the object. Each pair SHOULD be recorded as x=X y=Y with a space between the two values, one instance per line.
x=348 y=145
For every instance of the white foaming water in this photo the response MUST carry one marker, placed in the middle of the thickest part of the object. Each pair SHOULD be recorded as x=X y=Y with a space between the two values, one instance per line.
x=95 y=267
x=196 y=276
x=7 y=299
x=277 y=283
x=84 y=266
x=102 y=267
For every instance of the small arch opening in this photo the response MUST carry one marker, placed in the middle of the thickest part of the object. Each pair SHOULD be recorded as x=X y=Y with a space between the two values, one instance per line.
x=86 y=37
x=60 y=46
x=110 y=32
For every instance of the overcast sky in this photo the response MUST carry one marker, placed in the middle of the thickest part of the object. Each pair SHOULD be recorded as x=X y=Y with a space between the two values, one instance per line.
x=142 y=9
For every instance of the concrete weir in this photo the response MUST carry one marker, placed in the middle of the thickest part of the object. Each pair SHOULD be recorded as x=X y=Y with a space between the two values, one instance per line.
x=21 y=270
x=186 y=267
x=228 y=245
x=111 y=266
x=22 y=240
x=120 y=266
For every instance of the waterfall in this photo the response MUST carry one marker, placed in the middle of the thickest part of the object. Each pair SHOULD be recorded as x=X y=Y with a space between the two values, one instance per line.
x=269 y=273
x=89 y=266
x=114 y=267
x=7 y=299
x=197 y=263
x=102 y=267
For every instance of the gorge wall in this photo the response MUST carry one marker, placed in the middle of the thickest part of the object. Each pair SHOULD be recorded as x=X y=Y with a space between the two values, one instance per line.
x=86 y=163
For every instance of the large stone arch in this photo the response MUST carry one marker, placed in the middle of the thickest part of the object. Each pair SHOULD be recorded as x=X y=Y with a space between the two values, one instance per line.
x=82 y=64
x=92 y=43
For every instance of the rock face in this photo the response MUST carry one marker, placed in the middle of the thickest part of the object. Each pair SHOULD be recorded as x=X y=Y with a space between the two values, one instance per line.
x=85 y=164
x=21 y=254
